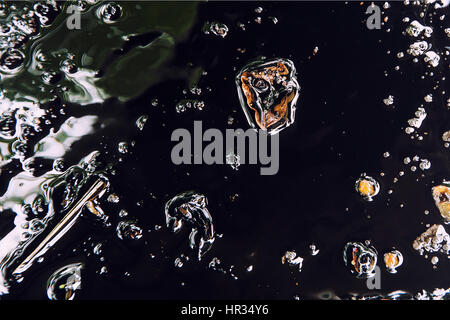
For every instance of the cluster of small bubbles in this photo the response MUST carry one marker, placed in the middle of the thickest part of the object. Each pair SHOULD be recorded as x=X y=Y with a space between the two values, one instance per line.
x=68 y=67
x=181 y=260
x=97 y=249
x=425 y=164
x=446 y=138
x=428 y=98
x=123 y=147
x=389 y=100
x=432 y=58
x=436 y=294
x=313 y=249
x=215 y=264
x=113 y=198
x=434 y=239
x=241 y=26
x=36 y=225
x=416 y=122
x=123 y=213
x=51 y=77
x=21 y=24
x=194 y=90
x=216 y=28
x=292 y=259
x=415 y=29
x=110 y=12
x=178 y=263
x=129 y=230
x=386 y=154
x=420 y=115
x=141 y=121
x=185 y=104
x=315 y=51
x=154 y=102
x=64 y=282
x=234 y=160
x=418 y=48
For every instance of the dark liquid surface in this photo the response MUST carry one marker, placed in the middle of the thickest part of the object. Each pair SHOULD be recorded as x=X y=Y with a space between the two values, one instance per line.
x=342 y=129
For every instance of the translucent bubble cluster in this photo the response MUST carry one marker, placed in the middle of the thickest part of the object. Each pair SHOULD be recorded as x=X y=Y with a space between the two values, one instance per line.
x=291 y=258
x=186 y=104
x=21 y=26
x=415 y=29
x=141 y=121
x=434 y=239
x=418 y=48
x=389 y=100
x=129 y=230
x=216 y=28
x=234 y=160
x=190 y=208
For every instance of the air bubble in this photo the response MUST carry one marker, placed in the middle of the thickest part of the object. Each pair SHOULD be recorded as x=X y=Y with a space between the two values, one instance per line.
x=64 y=282
x=360 y=259
x=129 y=230
x=393 y=260
x=367 y=187
x=216 y=28
x=110 y=12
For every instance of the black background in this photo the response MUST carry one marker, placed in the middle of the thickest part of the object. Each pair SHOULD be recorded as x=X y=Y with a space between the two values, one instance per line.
x=342 y=129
